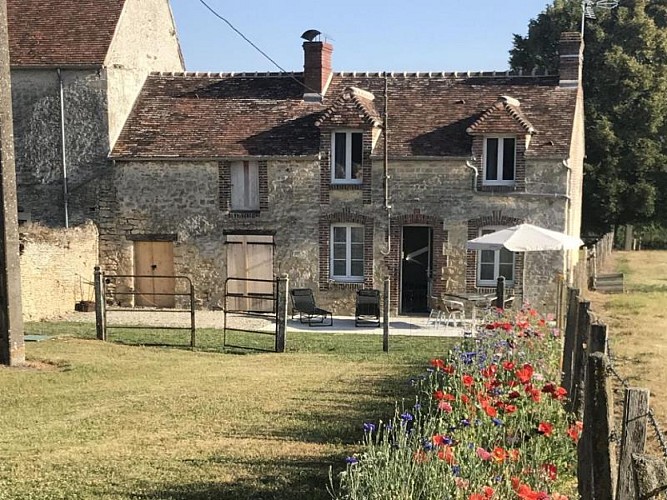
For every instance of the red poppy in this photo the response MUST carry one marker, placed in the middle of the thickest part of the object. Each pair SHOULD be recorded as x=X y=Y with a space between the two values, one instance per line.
x=559 y=393
x=514 y=395
x=439 y=440
x=445 y=406
x=489 y=371
x=476 y=496
x=488 y=491
x=574 y=431
x=499 y=454
x=467 y=380
x=446 y=454
x=438 y=364
x=514 y=455
x=551 y=471
x=490 y=411
x=509 y=408
x=449 y=369
x=545 y=428
x=508 y=365
x=549 y=388
x=525 y=373
x=465 y=399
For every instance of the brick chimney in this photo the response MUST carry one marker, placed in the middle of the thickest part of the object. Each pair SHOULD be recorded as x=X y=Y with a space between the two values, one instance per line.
x=316 y=69
x=571 y=51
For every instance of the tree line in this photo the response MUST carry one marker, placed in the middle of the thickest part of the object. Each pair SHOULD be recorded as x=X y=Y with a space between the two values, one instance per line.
x=625 y=98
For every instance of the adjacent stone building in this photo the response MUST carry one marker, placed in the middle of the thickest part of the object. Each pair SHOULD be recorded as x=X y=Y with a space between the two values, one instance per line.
x=76 y=69
x=341 y=179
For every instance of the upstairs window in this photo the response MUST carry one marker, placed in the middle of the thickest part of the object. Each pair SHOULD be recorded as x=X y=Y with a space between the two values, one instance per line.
x=244 y=186
x=499 y=160
x=346 y=157
x=491 y=264
x=347 y=252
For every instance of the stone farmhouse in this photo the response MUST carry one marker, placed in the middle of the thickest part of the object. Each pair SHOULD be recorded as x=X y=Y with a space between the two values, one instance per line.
x=340 y=179
x=76 y=69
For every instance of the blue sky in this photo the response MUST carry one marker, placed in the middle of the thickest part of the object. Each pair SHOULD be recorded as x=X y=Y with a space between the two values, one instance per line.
x=368 y=35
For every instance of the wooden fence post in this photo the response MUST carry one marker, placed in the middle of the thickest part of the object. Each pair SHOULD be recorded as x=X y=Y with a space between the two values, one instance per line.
x=567 y=365
x=100 y=325
x=580 y=361
x=385 y=315
x=598 y=426
x=598 y=338
x=633 y=439
x=282 y=287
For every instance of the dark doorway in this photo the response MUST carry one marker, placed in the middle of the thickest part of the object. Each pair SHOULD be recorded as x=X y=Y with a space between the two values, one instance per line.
x=415 y=269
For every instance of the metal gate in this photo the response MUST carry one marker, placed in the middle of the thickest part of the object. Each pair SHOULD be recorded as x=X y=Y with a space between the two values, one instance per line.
x=255 y=313
x=107 y=290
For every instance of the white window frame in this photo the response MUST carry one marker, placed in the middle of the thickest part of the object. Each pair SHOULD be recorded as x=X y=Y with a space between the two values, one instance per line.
x=499 y=181
x=348 y=156
x=347 y=277
x=496 y=262
x=244 y=197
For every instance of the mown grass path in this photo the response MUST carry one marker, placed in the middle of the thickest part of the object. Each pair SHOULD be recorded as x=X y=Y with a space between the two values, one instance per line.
x=113 y=421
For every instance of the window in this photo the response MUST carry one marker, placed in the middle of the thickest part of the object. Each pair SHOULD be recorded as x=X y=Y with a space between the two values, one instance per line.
x=245 y=186
x=499 y=160
x=347 y=252
x=491 y=264
x=346 y=155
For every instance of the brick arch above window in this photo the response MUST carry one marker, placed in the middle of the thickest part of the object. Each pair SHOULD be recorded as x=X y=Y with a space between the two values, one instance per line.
x=347 y=216
x=474 y=227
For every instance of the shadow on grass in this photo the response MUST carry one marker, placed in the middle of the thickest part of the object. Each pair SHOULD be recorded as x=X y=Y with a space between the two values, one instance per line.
x=294 y=480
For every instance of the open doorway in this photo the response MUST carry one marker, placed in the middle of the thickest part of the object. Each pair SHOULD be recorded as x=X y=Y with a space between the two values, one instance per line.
x=416 y=264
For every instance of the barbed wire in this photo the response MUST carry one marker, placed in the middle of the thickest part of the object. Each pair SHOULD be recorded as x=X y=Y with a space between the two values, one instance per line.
x=651 y=415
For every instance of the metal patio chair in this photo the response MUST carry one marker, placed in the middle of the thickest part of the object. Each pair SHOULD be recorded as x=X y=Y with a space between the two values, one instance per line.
x=367 y=309
x=303 y=304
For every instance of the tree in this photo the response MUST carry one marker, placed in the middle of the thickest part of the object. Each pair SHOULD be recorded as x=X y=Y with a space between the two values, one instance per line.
x=625 y=93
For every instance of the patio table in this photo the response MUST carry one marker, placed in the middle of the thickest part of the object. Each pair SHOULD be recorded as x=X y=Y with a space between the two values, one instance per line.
x=476 y=301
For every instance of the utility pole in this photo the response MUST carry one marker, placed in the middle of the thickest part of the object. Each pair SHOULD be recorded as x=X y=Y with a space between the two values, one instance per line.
x=12 y=347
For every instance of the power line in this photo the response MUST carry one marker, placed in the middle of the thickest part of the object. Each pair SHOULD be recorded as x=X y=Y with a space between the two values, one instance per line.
x=238 y=32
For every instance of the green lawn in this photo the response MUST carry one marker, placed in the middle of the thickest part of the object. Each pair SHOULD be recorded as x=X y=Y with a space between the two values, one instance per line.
x=120 y=420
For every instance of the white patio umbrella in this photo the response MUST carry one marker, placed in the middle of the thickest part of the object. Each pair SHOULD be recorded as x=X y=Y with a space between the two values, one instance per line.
x=525 y=238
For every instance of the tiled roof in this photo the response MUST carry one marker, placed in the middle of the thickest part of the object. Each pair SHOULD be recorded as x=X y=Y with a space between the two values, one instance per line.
x=61 y=32
x=504 y=116
x=209 y=116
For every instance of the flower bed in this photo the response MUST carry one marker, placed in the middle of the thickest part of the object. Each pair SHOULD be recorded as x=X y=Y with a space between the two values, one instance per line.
x=487 y=422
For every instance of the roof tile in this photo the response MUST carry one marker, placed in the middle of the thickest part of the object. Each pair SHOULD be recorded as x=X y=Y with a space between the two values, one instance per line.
x=61 y=32
x=230 y=116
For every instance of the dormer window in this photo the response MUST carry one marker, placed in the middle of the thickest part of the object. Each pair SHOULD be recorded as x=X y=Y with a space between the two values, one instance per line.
x=499 y=160
x=346 y=157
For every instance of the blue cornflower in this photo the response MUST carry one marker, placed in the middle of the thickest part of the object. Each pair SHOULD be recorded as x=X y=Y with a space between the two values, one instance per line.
x=427 y=445
x=468 y=357
x=465 y=422
x=497 y=421
x=351 y=460
x=456 y=470
x=417 y=407
x=407 y=416
x=388 y=426
x=369 y=427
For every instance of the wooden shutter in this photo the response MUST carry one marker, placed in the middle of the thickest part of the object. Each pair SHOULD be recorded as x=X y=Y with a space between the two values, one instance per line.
x=245 y=185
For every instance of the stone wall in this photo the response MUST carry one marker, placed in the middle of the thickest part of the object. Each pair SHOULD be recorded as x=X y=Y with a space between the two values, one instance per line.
x=38 y=142
x=56 y=269
x=180 y=200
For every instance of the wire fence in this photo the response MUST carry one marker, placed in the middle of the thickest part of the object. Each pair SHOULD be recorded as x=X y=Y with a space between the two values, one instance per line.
x=660 y=436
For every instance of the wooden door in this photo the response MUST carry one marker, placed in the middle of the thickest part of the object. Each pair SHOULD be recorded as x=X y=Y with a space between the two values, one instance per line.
x=154 y=259
x=250 y=257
